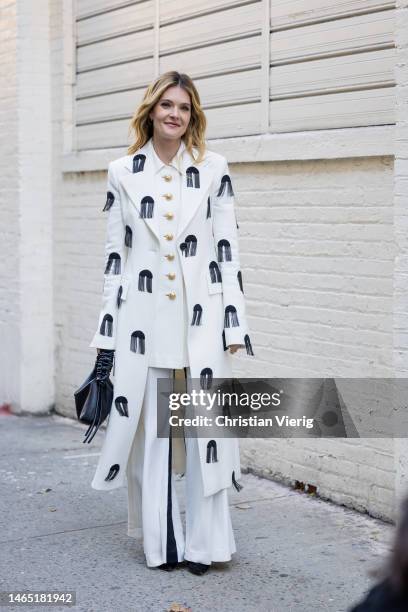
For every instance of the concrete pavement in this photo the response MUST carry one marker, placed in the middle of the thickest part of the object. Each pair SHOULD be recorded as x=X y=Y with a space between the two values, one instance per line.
x=295 y=553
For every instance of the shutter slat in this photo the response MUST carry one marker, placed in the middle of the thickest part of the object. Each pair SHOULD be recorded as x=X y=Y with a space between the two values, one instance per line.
x=291 y=13
x=241 y=120
x=220 y=90
x=353 y=34
x=345 y=109
x=358 y=70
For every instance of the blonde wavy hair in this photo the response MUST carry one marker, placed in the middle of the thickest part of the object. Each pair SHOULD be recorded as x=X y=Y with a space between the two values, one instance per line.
x=142 y=125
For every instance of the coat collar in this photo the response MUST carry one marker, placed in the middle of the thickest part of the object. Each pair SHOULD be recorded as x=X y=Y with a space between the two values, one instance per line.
x=138 y=183
x=176 y=162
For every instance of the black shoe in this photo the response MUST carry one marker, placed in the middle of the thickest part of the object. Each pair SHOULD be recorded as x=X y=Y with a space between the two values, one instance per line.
x=196 y=568
x=168 y=567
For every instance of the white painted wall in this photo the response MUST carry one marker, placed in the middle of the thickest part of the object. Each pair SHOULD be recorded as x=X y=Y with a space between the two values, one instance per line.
x=9 y=191
x=400 y=231
x=26 y=311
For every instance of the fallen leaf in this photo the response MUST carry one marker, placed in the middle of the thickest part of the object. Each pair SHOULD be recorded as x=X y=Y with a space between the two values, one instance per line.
x=243 y=506
x=175 y=607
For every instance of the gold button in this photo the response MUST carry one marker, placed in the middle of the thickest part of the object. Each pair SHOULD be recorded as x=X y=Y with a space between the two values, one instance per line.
x=171 y=275
x=171 y=295
x=168 y=196
x=167 y=177
x=170 y=256
x=168 y=236
x=169 y=215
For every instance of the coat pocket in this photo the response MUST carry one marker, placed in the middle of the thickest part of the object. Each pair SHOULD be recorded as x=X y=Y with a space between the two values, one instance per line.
x=213 y=287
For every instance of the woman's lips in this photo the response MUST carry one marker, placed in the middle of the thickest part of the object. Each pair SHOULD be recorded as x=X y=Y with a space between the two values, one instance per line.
x=172 y=124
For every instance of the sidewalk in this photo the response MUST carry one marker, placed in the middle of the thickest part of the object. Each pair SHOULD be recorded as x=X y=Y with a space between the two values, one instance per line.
x=295 y=553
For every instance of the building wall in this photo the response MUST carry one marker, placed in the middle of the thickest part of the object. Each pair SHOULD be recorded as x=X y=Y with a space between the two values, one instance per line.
x=400 y=231
x=26 y=312
x=9 y=187
x=260 y=65
x=317 y=250
x=316 y=227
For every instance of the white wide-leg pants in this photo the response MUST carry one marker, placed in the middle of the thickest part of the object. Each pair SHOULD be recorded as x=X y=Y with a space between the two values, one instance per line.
x=152 y=495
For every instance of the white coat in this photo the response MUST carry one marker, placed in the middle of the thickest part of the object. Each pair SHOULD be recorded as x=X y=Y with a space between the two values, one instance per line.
x=206 y=243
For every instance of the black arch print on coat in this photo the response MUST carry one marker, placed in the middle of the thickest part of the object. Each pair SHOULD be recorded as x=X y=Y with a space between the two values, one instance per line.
x=106 y=325
x=145 y=281
x=235 y=483
x=119 y=296
x=137 y=342
x=189 y=246
x=226 y=411
x=206 y=378
x=128 y=237
x=224 y=250
x=208 y=208
x=248 y=345
x=239 y=277
x=225 y=186
x=146 y=207
x=114 y=470
x=231 y=317
x=110 y=198
x=121 y=404
x=215 y=272
x=138 y=163
x=212 y=452
x=197 y=314
x=193 y=177
x=224 y=342
x=113 y=264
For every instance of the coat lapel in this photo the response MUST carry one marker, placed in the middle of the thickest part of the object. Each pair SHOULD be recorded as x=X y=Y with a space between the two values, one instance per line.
x=191 y=196
x=140 y=184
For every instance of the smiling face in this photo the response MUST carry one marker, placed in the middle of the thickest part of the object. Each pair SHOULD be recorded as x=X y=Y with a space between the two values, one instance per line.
x=171 y=114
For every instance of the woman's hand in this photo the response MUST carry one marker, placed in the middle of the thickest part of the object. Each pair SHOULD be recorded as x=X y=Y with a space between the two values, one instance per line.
x=234 y=347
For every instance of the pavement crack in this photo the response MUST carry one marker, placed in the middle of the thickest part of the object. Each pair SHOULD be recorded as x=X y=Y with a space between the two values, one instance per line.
x=64 y=531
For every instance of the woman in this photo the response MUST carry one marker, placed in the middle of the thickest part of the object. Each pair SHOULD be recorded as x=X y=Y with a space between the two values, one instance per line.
x=172 y=300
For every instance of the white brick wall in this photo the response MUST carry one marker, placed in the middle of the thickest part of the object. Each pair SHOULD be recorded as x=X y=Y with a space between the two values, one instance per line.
x=317 y=257
x=317 y=248
x=317 y=243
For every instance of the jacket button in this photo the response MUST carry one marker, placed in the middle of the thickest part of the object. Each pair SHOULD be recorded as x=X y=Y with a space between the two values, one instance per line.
x=169 y=256
x=169 y=215
x=168 y=196
x=171 y=295
x=167 y=177
x=171 y=275
x=168 y=236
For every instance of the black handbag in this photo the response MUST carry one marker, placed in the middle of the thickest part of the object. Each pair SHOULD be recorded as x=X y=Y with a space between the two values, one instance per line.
x=93 y=399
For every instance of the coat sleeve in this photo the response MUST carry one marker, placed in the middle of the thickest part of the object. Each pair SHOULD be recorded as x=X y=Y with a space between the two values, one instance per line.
x=225 y=230
x=115 y=253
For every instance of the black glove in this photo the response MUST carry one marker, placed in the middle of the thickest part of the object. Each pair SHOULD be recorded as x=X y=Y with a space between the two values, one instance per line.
x=103 y=364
